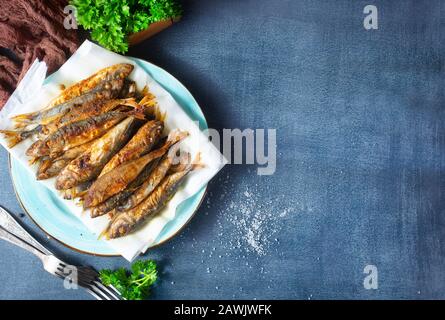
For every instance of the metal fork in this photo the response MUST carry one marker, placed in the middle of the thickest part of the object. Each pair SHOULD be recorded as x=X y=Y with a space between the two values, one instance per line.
x=86 y=277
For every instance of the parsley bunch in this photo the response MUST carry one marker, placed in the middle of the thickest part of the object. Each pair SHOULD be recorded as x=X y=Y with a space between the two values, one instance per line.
x=135 y=285
x=111 y=21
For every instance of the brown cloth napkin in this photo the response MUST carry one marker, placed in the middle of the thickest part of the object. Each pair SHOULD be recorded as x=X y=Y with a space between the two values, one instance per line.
x=30 y=30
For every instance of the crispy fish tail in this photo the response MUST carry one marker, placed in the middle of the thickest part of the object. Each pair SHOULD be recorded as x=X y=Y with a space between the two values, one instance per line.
x=148 y=103
x=14 y=137
x=23 y=118
x=136 y=113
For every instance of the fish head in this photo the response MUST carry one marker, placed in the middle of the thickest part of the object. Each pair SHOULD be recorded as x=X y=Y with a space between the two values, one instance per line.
x=129 y=89
x=37 y=149
x=123 y=70
x=120 y=226
x=115 y=87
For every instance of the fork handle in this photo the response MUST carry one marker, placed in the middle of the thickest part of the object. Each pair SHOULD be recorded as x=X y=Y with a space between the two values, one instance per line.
x=5 y=235
x=11 y=225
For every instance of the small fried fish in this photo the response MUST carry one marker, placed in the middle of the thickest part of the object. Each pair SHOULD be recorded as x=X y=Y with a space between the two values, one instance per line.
x=105 y=84
x=89 y=164
x=123 y=223
x=51 y=167
x=142 y=142
x=117 y=179
x=111 y=203
x=75 y=134
x=82 y=112
x=154 y=179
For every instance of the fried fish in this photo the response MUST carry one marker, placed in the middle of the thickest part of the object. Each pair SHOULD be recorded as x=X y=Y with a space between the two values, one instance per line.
x=75 y=134
x=89 y=164
x=105 y=84
x=117 y=179
x=142 y=142
x=124 y=222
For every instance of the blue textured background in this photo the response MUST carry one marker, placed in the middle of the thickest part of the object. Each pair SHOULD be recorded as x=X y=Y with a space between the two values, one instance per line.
x=360 y=125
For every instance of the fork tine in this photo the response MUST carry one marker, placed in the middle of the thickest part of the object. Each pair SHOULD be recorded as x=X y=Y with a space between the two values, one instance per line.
x=93 y=275
x=88 y=278
x=111 y=294
x=94 y=294
x=99 y=291
x=111 y=287
x=59 y=275
x=82 y=272
x=99 y=296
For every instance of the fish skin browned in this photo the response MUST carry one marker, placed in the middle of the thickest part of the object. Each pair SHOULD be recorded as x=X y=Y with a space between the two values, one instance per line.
x=142 y=142
x=116 y=71
x=124 y=222
x=49 y=168
x=105 y=91
x=117 y=179
x=155 y=177
x=106 y=82
x=75 y=134
x=111 y=203
x=89 y=164
x=88 y=110
x=84 y=111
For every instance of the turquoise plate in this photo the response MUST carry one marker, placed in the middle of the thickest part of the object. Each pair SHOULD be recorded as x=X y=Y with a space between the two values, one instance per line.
x=51 y=215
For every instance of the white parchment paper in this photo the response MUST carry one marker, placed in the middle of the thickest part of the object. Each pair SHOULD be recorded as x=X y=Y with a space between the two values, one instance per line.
x=32 y=95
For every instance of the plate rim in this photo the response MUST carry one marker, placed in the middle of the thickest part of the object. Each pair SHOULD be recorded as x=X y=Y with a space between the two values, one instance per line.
x=186 y=223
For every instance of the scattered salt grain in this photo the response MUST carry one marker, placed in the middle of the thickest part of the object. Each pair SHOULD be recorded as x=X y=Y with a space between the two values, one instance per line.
x=249 y=222
x=284 y=213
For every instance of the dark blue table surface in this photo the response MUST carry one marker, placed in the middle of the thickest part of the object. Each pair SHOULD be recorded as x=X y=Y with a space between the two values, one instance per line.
x=360 y=122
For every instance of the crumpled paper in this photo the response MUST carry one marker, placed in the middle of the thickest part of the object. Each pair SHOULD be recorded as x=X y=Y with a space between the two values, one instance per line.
x=33 y=94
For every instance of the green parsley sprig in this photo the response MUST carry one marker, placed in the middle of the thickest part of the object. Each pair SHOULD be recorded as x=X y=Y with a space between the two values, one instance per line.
x=111 y=21
x=135 y=285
